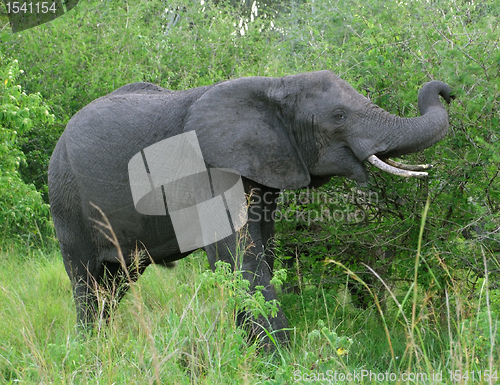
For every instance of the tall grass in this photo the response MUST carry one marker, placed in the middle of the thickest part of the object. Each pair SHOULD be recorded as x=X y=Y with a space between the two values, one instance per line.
x=178 y=327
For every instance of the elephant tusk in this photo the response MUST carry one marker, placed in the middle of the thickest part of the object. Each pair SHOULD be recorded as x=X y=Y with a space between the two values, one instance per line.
x=394 y=170
x=409 y=167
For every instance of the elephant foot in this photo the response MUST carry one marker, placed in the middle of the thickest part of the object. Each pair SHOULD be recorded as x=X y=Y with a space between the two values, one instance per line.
x=267 y=332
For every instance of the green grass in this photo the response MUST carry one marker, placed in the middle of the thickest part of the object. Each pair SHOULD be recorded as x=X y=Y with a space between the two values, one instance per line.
x=176 y=327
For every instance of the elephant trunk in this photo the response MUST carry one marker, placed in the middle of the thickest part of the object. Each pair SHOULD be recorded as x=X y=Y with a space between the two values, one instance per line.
x=416 y=134
x=401 y=136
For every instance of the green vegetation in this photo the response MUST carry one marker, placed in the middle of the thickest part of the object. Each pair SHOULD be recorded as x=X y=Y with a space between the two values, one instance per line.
x=22 y=210
x=437 y=312
x=178 y=326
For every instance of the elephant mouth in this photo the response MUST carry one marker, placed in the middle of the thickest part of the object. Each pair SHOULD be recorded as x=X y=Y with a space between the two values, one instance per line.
x=399 y=169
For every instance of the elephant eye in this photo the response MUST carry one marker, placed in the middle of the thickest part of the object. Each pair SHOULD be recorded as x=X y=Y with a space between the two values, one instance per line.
x=339 y=116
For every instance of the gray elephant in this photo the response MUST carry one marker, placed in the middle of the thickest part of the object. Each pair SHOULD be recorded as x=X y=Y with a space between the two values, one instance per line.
x=277 y=133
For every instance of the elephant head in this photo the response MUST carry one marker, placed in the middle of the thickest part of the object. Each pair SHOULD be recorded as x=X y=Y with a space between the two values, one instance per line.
x=280 y=132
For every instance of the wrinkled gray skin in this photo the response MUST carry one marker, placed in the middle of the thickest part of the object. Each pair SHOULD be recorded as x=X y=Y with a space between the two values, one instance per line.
x=278 y=133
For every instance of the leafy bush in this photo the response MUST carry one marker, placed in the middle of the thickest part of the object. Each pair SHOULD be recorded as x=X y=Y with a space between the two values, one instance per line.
x=22 y=210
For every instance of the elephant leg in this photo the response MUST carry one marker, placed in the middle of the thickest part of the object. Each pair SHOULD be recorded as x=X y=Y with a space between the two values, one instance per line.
x=114 y=283
x=84 y=284
x=98 y=292
x=98 y=287
x=259 y=258
x=247 y=252
x=270 y=198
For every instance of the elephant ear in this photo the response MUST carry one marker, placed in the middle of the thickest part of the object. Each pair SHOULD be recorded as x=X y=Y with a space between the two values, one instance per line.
x=240 y=127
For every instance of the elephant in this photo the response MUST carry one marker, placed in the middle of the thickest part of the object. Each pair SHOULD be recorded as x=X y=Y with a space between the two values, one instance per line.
x=276 y=133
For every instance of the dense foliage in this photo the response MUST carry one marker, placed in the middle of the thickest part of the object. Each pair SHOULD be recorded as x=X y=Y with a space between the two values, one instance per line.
x=22 y=209
x=386 y=50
